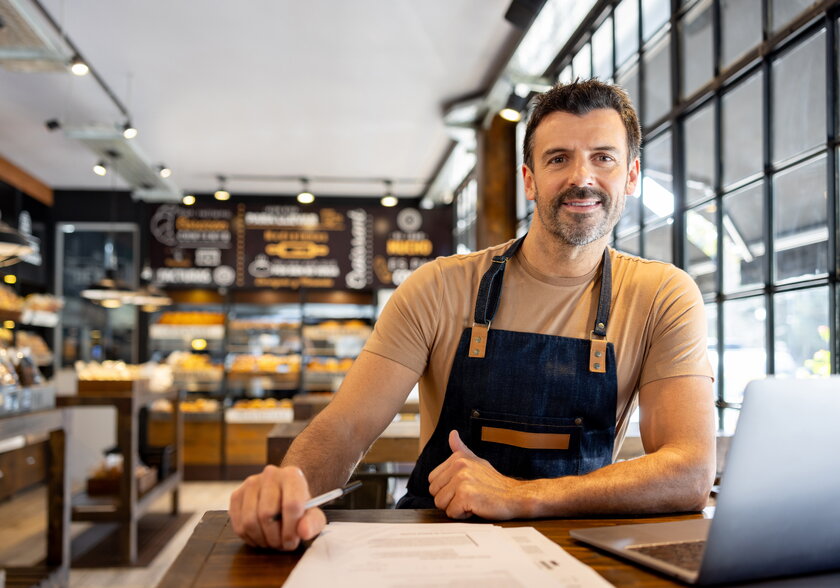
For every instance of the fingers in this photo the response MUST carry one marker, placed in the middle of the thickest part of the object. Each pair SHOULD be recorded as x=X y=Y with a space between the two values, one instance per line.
x=254 y=504
x=248 y=526
x=295 y=494
x=312 y=523
x=456 y=445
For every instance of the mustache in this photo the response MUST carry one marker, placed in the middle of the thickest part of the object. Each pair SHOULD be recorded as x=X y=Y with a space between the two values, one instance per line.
x=582 y=193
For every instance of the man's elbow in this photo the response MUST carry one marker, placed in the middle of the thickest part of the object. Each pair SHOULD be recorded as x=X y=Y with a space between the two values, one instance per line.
x=698 y=478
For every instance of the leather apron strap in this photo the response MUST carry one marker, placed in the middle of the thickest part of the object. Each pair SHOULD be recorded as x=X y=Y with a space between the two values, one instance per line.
x=490 y=294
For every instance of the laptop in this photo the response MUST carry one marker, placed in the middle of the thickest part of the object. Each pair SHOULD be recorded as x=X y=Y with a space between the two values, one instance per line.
x=778 y=509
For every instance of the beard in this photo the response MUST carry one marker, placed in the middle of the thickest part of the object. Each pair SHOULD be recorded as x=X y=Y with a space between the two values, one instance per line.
x=581 y=228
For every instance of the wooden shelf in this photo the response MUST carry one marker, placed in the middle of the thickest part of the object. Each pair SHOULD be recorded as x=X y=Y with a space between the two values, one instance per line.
x=9 y=315
x=37 y=576
x=128 y=506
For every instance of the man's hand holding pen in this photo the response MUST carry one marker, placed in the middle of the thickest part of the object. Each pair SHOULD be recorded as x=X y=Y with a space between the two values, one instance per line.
x=261 y=497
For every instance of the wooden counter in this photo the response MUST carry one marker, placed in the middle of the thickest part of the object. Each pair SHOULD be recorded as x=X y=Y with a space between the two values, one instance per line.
x=399 y=442
x=214 y=557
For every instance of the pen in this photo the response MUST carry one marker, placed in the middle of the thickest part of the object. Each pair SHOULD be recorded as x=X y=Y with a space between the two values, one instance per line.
x=325 y=498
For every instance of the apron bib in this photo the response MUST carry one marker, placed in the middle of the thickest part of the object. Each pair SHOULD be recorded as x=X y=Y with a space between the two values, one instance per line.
x=533 y=405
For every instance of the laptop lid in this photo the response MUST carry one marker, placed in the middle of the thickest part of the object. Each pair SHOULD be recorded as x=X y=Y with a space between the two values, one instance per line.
x=778 y=510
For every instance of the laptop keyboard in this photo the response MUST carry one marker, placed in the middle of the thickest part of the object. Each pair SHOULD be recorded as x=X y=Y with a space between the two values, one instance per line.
x=686 y=554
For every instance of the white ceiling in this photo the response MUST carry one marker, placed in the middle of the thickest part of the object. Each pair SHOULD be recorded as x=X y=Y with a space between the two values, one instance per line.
x=263 y=87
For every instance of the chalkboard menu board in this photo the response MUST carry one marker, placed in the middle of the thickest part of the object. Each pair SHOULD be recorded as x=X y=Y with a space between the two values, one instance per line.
x=290 y=246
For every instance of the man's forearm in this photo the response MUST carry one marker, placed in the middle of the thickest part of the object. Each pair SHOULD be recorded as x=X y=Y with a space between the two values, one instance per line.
x=326 y=453
x=664 y=481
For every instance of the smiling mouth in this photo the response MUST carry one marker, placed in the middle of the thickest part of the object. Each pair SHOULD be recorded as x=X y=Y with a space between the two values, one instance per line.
x=582 y=205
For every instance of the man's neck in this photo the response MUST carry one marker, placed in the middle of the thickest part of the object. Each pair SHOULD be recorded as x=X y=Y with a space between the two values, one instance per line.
x=553 y=257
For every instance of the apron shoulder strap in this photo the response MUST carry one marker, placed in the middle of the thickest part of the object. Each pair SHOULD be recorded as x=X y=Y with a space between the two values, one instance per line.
x=490 y=289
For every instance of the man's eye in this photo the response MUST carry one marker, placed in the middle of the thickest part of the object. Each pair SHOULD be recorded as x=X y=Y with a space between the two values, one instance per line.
x=557 y=159
x=605 y=158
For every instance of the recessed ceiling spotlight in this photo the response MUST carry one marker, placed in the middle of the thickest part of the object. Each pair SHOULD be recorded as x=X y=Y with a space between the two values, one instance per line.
x=189 y=200
x=128 y=130
x=100 y=169
x=79 y=67
x=164 y=171
x=53 y=124
x=305 y=196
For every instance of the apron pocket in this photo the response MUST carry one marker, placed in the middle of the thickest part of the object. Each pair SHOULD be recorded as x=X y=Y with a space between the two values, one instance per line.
x=527 y=447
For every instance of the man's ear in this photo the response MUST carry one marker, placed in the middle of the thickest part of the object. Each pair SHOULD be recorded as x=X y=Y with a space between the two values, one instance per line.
x=529 y=182
x=632 y=177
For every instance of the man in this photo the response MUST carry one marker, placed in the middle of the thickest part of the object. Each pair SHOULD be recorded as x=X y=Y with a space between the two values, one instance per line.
x=531 y=356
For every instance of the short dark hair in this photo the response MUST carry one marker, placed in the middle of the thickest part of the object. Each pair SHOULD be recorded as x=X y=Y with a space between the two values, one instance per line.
x=581 y=97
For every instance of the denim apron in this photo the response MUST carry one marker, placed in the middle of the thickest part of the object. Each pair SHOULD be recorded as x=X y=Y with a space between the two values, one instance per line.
x=533 y=405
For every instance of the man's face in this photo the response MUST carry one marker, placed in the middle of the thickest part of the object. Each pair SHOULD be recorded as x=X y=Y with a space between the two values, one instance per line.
x=580 y=177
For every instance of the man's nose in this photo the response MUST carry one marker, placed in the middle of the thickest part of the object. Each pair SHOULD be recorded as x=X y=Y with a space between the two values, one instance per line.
x=582 y=174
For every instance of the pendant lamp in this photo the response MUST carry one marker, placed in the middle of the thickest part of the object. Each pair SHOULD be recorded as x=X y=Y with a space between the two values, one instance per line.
x=13 y=245
x=149 y=298
x=110 y=291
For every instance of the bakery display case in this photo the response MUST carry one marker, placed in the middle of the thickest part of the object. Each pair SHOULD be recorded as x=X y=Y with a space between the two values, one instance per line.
x=260 y=349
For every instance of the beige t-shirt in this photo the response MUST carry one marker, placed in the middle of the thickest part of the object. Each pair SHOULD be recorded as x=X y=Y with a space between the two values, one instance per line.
x=657 y=321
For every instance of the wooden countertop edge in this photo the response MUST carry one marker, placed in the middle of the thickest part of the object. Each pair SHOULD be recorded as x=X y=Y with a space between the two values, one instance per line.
x=184 y=571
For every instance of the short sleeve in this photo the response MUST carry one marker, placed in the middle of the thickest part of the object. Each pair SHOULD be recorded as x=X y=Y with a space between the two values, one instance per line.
x=405 y=331
x=678 y=343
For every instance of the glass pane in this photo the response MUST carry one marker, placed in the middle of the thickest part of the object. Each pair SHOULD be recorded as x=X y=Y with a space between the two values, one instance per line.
x=743 y=238
x=655 y=13
x=744 y=354
x=799 y=98
x=90 y=332
x=657 y=81
x=629 y=80
x=799 y=221
x=658 y=178
x=565 y=76
x=630 y=244
x=701 y=246
x=659 y=242
x=784 y=11
x=602 y=51
x=626 y=30
x=582 y=63
x=711 y=328
x=696 y=36
x=802 y=333
x=631 y=217
x=741 y=28
x=700 y=155
x=741 y=127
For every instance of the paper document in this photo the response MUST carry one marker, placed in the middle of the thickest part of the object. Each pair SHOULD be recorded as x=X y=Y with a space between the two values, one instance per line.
x=374 y=555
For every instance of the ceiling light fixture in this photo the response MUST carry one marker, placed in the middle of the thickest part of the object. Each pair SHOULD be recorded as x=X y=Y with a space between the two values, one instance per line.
x=100 y=169
x=128 y=130
x=388 y=199
x=149 y=298
x=164 y=171
x=513 y=109
x=53 y=124
x=79 y=67
x=109 y=292
x=305 y=196
x=13 y=245
x=221 y=193
x=188 y=200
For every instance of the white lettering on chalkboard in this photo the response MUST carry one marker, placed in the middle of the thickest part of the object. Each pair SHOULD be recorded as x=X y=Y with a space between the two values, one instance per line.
x=356 y=278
